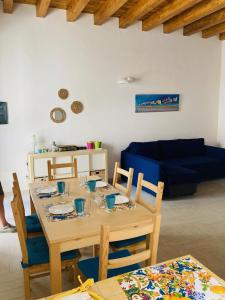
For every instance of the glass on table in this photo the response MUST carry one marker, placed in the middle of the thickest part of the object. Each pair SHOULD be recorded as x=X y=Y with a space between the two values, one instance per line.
x=110 y=201
x=83 y=181
x=91 y=186
x=79 y=206
x=99 y=199
x=63 y=188
x=89 y=205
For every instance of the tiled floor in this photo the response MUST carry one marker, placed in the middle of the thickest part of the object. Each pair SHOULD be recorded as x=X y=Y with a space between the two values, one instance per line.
x=192 y=225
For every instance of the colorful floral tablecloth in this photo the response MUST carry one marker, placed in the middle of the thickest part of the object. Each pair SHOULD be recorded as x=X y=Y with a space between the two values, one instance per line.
x=182 y=278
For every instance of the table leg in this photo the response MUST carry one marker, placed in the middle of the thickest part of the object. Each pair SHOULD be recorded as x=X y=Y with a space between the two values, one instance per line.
x=32 y=208
x=155 y=239
x=55 y=269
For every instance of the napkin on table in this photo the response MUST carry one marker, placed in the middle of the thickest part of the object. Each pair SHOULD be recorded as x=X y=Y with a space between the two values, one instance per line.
x=78 y=296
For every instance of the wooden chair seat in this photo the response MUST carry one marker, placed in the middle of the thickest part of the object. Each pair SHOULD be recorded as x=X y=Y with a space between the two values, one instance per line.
x=90 y=267
x=38 y=252
x=33 y=224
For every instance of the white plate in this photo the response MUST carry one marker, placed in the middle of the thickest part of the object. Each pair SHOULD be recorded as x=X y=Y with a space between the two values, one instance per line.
x=47 y=190
x=101 y=184
x=121 y=199
x=61 y=209
x=78 y=296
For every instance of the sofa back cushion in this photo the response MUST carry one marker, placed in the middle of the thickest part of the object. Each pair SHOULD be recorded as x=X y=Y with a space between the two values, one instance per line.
x=169 y=149
x=172 y=149
x=149 y=149
x=192 y=147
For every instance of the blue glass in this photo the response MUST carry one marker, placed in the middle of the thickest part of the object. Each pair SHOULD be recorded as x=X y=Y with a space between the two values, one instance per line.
x=61 y=187
x=110 y=201
x=79 y=206
x=91 y=185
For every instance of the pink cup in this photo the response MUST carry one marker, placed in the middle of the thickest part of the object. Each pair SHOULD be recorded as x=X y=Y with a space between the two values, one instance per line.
x=90 y=145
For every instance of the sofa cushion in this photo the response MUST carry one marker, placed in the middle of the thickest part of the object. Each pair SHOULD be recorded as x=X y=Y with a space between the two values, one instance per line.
x=191 y=147
x=208 y=167
x=169 y=149
x=148 y=149
x=175 y=174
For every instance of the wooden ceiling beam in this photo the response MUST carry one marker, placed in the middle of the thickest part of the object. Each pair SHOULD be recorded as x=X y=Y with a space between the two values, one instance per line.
x=75 y=8
x=42 y=7
x=214 y=30
x=204 y=23
x=8 y=6
x=204 y=8
x=137 y=11
x=222 y=36
x=107 y=9
x=167 y=12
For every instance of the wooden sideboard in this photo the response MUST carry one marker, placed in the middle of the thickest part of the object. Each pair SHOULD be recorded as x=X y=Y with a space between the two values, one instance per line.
x=89 y=162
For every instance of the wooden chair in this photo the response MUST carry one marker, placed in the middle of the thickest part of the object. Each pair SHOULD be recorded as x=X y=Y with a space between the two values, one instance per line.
x=35 y=252
x=126 y=190
x=116 y=263
x=31 y=222
x=129 y=174
x=72 y=165
x=136 y=244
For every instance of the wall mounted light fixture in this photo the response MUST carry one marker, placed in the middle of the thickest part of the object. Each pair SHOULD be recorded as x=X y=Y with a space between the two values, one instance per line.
x=125 y=80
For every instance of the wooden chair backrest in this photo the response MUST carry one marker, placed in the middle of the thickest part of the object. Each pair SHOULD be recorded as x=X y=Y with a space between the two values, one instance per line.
x=72 y=165
x=157 y=189
x=18 y=197
x=17 y=187
x=121 y=233
x=129 y=174
x=21 y=229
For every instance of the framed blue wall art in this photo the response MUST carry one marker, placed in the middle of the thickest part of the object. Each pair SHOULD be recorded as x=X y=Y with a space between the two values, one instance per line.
x=3 y=113
x=156 y=102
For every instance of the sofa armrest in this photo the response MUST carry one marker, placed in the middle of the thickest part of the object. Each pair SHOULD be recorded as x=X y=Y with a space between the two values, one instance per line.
x=141 y=164
x=215 y=152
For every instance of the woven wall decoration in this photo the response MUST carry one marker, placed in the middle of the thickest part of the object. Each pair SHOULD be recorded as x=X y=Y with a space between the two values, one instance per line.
x=77 y=107
x=63 y=94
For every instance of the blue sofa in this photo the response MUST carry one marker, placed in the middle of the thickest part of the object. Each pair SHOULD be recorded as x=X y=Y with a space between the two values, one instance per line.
x=181 y=164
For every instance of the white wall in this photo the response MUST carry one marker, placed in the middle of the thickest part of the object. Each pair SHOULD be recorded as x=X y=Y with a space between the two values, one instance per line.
x=221 y=116
x=39 y=56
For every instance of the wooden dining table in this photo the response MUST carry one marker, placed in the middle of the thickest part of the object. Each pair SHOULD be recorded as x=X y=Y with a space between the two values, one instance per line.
x=78 y=232
x=180 y=278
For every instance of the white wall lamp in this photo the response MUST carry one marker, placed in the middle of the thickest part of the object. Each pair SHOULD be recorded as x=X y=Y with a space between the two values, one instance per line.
x=126 y=80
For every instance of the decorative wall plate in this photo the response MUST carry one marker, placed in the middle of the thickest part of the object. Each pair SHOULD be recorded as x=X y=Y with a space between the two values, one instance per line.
x=58 y=115
x=77 y=107
x=63 y=94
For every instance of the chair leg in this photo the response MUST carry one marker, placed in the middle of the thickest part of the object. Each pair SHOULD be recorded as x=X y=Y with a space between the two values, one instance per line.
x=26 y=278
x=71 y=273
x=78 y=273
x=95 y=250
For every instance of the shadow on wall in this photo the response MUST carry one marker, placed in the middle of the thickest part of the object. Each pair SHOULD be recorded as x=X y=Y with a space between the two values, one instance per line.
x=113 y=156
